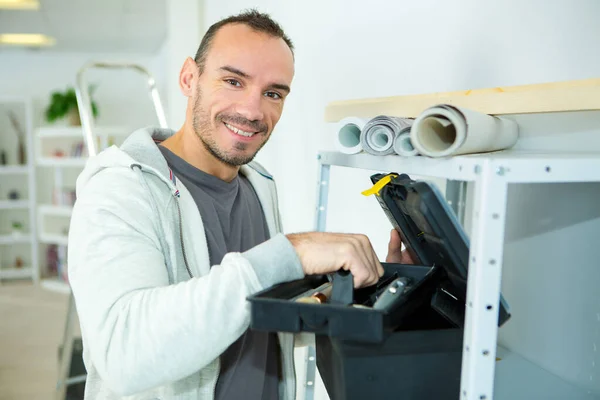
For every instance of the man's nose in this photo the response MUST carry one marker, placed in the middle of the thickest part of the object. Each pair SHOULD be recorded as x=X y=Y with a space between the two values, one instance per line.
x=250 y=106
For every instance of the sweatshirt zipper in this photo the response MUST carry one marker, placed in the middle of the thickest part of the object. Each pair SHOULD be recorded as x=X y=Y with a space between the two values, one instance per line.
x=185 y=261
x=175 y=193
x=187 y=267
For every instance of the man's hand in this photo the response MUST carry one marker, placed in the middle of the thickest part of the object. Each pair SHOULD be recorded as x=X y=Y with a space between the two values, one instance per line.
x=323 y=253
x=395 y=253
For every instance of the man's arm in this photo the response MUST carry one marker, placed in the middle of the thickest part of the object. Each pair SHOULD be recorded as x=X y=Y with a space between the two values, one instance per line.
x=141 y=331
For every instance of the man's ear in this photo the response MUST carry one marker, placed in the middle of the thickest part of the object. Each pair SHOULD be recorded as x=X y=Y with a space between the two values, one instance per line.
x=188 y=76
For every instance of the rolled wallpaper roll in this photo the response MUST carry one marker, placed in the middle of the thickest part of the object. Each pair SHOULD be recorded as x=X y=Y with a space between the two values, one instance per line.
x=348 y=132
x=378 y=135
x=446 y=130
x=403 y=145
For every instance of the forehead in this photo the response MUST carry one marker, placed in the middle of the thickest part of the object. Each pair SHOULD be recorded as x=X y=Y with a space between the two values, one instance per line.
x=257 y=54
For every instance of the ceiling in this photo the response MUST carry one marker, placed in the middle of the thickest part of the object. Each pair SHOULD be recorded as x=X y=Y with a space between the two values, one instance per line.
x=112 y=26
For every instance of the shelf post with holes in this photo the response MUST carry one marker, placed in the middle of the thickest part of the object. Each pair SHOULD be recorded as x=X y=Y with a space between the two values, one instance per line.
x=483 y=286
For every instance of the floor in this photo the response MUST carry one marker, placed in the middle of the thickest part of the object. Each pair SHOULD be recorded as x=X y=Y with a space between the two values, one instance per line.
x=31 y=328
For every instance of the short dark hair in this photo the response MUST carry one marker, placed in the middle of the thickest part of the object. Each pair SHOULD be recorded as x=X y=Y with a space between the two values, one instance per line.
x=259 y=22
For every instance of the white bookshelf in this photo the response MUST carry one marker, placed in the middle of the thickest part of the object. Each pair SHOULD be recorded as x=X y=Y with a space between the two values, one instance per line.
x=19 y=257
x=61 y=151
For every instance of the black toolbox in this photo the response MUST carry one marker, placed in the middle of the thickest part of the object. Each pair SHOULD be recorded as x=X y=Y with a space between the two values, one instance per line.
x=412 y=347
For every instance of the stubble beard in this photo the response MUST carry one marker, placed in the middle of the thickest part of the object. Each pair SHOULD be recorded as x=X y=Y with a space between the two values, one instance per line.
x=202 y=127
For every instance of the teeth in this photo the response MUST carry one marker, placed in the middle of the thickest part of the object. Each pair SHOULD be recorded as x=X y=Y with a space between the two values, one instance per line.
x=239 y=131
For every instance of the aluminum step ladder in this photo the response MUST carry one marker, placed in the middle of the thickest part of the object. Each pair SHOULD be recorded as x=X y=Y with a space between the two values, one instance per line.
x=85 y=113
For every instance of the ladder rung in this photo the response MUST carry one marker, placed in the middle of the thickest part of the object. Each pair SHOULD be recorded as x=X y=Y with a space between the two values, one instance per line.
x=73 y=380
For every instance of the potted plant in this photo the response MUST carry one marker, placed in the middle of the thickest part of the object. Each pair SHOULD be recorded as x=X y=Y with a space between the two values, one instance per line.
x=17 y=228
x=64 y=104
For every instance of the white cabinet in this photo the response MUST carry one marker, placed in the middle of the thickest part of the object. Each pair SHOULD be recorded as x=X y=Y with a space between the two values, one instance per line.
x=18 y=242
x=60 y=156
x=535 y=266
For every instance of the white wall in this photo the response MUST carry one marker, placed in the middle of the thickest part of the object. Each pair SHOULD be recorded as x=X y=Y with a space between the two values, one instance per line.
x=184 y=33
x=355 y=49
x=349 y=49
x=122 y=97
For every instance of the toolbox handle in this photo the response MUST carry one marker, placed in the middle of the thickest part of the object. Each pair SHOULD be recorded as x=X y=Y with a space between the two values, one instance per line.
x=342 y=288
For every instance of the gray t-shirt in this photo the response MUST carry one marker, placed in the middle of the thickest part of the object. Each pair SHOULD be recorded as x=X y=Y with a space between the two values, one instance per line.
x=234 y=222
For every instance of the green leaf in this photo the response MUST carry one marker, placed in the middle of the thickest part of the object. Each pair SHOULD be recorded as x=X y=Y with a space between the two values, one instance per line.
x=61 y=103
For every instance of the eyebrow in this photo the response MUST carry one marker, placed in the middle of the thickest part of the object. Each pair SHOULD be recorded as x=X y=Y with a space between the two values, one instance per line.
x=236 y=71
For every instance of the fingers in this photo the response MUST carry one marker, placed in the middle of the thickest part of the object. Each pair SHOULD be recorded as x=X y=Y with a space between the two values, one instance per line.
x=375 y=264
x=358 y=261
x=369 y=270
x=394 y=247
x=380 y=270
x=328 y=252
x=395 y=240
x=407 y=258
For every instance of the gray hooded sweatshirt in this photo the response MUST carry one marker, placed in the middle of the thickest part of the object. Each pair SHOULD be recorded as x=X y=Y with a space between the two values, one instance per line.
x=154 y=314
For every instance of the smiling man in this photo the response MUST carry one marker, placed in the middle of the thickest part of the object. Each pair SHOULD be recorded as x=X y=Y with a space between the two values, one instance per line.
x=238 y=92
x=172 y=231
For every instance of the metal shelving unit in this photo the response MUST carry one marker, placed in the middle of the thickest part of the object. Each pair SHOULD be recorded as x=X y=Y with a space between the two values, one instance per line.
x=23 y=176
x=490 y=175
x=49 y=138
x=532 y=215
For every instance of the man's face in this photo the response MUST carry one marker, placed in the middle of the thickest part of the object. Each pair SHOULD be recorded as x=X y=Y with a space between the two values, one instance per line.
x=241 y=92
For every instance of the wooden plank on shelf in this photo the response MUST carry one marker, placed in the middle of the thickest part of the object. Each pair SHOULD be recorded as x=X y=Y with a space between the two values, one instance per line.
x=578 y=95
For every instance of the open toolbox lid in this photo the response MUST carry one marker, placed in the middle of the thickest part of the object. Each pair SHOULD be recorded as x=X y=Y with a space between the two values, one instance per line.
x=433 y=237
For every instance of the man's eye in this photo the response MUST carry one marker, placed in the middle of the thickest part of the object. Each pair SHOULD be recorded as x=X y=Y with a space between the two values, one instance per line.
x=233 y=82
x=273 y=95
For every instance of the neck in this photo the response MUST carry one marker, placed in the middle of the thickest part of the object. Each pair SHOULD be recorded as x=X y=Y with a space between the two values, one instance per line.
x=188 y=146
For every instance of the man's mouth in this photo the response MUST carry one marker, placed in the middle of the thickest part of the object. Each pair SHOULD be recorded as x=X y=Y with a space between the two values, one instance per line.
x=239 y=131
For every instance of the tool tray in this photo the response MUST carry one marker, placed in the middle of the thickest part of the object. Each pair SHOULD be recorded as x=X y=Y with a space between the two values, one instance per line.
x=436 y=243
x=273 y=311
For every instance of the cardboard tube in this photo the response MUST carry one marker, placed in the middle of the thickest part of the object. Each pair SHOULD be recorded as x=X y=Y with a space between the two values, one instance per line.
x=348 y=132
x=403 y=145
x=378 y=135
x=445 y=130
